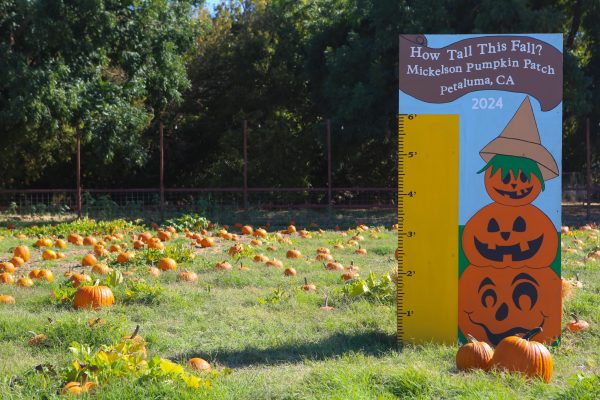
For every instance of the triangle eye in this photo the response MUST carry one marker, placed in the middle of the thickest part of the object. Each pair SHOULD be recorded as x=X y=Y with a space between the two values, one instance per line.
x=493 y=225
x=519 y=225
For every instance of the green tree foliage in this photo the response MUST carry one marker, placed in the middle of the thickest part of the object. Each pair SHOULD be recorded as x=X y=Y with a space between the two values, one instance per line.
x=103 y=67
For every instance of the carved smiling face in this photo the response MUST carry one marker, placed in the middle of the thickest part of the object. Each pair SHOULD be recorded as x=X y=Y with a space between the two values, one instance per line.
x=512 y=181
x=511 y=189
x=502 y=236
x=495 y=303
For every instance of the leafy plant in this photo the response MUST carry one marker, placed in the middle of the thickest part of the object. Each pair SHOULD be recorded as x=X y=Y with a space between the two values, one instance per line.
x=276 y=296
x=372 y=288
x=63 y=293
x=141 y=292
x=192 y=222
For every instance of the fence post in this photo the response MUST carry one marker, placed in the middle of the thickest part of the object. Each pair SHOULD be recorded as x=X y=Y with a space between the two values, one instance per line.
x=245 y=128
x=589 y=168
x=329 y=183
x=162 y=168
x=78 y=172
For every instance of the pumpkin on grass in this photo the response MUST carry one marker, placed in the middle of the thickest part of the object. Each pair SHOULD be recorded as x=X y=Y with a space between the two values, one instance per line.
x=521 y=354
x=224 y=266
x=7 y=299
x=77 y=279
x=293 y=254
x=17 y=261
x=24 y=282
x=576 y=324
x=49 y=255
x=188 y=276
x=22 y=252
x=136 y=343
x=199 y=364
x=6 y=278
x=77 y=388
x=7 y=266
x=289 y=272
x=167 y=264
x=89 y=260
x=474 y=355
x=308 y=287
x=95 y=296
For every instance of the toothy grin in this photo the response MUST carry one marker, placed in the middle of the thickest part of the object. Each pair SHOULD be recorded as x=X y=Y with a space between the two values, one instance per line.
x=514 y=194
x=514 y=250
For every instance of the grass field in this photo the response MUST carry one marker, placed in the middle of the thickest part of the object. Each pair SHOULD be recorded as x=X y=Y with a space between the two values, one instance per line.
x=270 y=334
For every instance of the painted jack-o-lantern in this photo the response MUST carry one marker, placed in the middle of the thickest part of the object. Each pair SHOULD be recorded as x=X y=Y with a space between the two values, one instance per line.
x=503 y=236
x=496 y=303
x=512 y=181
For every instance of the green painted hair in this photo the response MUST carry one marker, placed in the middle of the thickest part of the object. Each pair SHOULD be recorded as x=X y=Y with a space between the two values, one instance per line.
x=515 y=164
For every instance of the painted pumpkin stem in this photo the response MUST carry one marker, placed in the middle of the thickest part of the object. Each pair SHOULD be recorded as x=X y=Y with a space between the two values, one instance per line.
x=575 y=317
x=471 y=339
x=532 y=333
x=135 y=332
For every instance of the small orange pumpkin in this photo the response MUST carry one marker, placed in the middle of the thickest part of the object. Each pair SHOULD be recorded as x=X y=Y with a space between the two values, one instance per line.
x=247 y=230
x=293 y=254
x=7 y=299
x=167 y=264
x=93 y=297
x=290 y=272
x=49 y=255
x=524 y=355
x=89 y=260
x=576 y=324
x=207 y=242
x=188 y=276
x=60 y=244
x=474 y=355
x=199 y=364
x=7 y=266
x=6 y=278
x=17 y=261
x=22 y=252
x=125 y=257
x=224 y=266
x=24 y=281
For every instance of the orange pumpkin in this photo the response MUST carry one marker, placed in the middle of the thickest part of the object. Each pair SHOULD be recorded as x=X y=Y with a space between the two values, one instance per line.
x=199 y=364
x=167 y=264
x=17 y=261
x=293 y=254
x=260 y=258
x=188 y=276
x=43 y=242
x=7 y=267
x=155 y=272
x=77 y=279
x=474 y=355
x=290 y=272
x=576 y=324
x=7 y=299
x=207 y=242
x=93 y=297
x=49 y=255
x=520 y=354
x=6 y=278
x=496 y=303
x=24 y=282
x=224 y=266
x=89 y=260
x=101 y=269
x=503 y=236
x=125 y=257
x=22 y=252
x=247 y=230
x=60 y=244
x=77 y=388
x=89 y=241
x=512 y=190
x=260 y=233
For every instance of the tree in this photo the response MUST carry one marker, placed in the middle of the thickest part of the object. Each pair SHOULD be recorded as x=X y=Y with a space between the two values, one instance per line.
x=102 y=68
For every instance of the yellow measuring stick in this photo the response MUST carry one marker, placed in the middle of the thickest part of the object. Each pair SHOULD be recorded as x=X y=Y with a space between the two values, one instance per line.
x=427 y=228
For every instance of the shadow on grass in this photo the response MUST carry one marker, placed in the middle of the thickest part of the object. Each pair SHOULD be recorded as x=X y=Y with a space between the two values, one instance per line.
x=369 y=343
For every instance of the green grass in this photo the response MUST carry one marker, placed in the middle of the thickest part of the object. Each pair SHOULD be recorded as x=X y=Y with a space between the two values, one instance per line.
x=287 y=350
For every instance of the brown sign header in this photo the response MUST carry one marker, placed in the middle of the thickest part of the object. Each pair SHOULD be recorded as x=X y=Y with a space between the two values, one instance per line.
x=509 y=63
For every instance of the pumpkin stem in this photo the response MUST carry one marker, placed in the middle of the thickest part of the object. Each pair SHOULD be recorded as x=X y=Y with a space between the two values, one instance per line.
x=305 y=281
x=135 y=332
x=532 y=333
x=326 y=299
x=575 y=317
x=85 y=378
x=97 y=282
x=577 y=276
x=471 y=339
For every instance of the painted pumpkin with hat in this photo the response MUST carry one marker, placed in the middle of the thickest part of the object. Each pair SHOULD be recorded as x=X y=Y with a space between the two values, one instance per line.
x=517 y=162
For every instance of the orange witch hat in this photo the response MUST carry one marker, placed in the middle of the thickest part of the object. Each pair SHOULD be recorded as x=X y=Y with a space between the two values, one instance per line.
x=521 y=138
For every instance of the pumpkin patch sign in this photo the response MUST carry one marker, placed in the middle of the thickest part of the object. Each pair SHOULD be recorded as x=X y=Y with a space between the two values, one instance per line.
x=503 y=225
